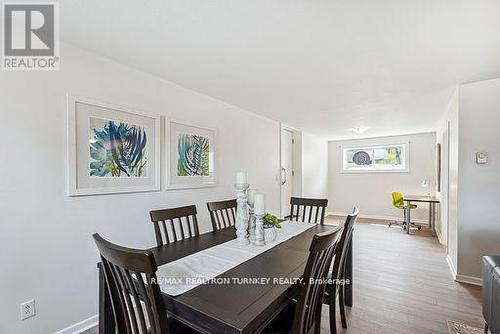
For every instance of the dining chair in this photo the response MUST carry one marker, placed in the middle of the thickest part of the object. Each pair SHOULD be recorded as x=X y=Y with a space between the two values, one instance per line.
x=337 y=274
x=306 y=311
x=309 y=210
x=222 y=213
x=136 y=301
x=176 y=224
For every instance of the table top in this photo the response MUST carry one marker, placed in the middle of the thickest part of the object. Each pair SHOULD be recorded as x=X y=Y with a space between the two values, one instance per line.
x=238 y=308
x=421 y=198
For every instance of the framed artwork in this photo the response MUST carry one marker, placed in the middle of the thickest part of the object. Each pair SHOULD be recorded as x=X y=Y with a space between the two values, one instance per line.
x=111 y=149
x=190 y=156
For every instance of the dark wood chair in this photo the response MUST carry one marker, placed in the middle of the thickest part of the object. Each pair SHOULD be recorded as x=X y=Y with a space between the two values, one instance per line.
x=310 y=210
x=307 y=311
x=174 y=224
x=337 y=274
x=135 y=296
x=222 y=214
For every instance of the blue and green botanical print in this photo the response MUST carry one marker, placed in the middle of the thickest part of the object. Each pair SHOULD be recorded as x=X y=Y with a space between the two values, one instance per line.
x=117 y=149
x=193 y=155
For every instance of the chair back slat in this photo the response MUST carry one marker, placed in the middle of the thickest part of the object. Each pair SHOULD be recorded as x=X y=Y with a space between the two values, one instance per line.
x=181 y=227
x=308 y=310
x=146 y=298
x=302 y=209
x=134 y=303
x=127 y=290
x=222 y=213
x=116 y=297
x=136 y=300
x=176 y=224
x=195 y=223
x=343 y=245
x=189 y=227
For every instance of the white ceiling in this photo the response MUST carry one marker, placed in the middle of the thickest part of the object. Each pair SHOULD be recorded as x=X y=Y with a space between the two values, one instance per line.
x=324 y=66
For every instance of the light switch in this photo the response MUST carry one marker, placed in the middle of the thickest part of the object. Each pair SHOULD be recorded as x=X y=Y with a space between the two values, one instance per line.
x=481 y=158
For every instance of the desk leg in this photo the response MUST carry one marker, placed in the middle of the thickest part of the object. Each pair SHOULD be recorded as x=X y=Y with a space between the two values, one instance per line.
x=348 y=275
x=106 y=322
x=408 y=220
x=432 y=217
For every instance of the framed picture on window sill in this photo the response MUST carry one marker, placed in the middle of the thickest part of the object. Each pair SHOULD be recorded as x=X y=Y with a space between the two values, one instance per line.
x=365 y=159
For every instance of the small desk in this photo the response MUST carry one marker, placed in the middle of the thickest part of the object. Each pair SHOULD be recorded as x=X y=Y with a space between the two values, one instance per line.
x=432 y=200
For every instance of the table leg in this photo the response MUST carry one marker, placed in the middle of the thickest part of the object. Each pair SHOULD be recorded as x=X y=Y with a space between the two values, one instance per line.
x=408 y=220
x=106 y=322
x=432 y=209
x=430 y=216
x=348 y=275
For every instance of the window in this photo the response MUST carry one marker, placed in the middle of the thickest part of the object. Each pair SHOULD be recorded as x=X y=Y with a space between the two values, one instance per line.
x=386 y=158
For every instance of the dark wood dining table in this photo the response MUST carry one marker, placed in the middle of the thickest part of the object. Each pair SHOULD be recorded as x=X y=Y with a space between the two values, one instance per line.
x=233 y=308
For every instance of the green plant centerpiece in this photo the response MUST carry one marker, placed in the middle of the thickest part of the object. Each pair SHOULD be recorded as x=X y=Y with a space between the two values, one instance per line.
x=271 y=226
x=271 y=221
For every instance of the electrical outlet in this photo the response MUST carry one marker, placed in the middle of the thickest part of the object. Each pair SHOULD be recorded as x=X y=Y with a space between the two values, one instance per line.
x=28 y=309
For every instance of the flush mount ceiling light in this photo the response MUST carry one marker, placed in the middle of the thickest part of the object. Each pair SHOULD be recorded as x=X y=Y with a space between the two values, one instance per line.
x=359 y=130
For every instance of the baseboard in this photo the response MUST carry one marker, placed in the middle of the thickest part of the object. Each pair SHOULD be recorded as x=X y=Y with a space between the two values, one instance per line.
x=452 y=267
x=81 y=326
x=469 y=280
x=390 y=218
x=438 y=235
x=462 y=278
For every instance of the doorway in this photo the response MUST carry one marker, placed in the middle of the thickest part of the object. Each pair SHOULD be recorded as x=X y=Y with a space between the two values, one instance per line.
x=445 y=167
x=290 y=173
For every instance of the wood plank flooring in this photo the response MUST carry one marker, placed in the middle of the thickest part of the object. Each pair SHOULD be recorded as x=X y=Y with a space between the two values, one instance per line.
x=402 y=284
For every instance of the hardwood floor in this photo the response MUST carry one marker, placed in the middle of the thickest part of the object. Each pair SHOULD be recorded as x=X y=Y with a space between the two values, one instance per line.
x=402 y=284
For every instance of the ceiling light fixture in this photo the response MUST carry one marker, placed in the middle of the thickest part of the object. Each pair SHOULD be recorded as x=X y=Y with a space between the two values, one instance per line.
x=359 y=130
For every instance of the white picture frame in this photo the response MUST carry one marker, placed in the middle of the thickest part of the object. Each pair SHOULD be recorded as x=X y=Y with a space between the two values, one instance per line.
x=82 y=114
x=175 y=128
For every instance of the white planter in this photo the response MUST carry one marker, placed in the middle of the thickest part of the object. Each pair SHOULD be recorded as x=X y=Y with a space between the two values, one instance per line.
x=270 y=233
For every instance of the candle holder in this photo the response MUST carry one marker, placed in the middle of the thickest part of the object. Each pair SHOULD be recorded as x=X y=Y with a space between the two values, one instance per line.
x=242 y=214
x=259 y=230
x=251 y=223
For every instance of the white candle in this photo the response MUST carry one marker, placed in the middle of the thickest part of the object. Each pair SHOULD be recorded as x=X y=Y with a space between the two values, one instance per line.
x=251 y=196
x=241 y=178
x=259 y=204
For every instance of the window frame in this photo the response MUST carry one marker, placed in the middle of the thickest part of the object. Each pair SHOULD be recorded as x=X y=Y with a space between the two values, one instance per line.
x=373 y=170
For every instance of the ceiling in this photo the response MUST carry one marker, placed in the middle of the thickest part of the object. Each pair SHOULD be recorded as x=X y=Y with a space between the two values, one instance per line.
x=324 y=66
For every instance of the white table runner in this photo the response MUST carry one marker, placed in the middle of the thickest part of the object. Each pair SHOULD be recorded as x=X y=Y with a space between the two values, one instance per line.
x=184 y=274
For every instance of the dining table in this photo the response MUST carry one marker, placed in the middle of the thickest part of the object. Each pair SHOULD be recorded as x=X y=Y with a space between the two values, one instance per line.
x=234 y=308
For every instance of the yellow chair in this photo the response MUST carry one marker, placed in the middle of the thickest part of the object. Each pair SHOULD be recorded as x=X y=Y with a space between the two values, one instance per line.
x=398 y=202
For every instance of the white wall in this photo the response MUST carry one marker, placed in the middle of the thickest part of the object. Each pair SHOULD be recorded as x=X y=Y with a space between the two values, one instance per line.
x=447 y=227
x=47 y=252
x=478 y=185
x=314 y=166
x=371 y=192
